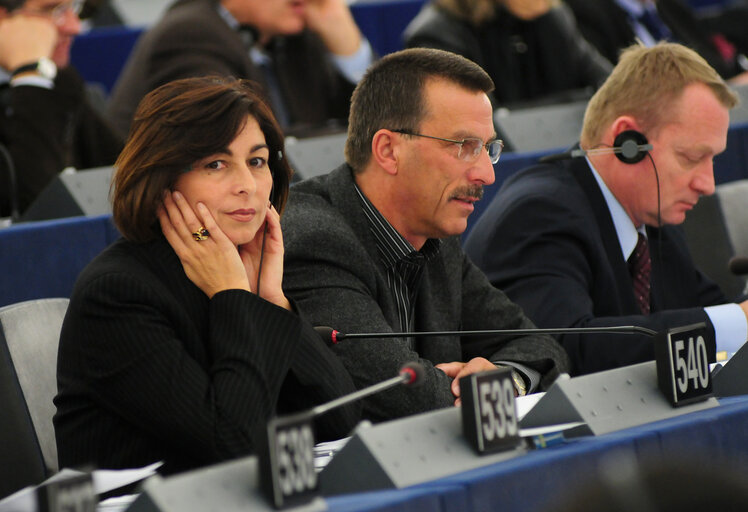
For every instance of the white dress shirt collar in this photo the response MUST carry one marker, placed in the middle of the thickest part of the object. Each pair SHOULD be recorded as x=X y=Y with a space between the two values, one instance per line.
x=627 y=233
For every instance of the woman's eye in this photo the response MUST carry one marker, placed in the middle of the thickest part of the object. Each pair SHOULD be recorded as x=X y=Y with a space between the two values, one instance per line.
x=215 y=165
x=258 y=162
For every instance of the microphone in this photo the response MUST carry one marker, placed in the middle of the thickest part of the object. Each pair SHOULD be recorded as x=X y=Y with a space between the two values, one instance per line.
x=411 y=374
x=287 y=472
x=329 y=334
x=738 y=265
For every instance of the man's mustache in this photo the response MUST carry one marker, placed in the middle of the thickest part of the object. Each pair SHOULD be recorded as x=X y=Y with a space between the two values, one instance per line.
x=472 y=191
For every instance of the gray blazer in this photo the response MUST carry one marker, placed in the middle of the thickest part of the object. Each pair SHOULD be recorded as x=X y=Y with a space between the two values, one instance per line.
x=333 y=272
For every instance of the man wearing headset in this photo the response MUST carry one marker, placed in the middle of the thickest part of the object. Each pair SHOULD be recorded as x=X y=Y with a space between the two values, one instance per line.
x=588 y=241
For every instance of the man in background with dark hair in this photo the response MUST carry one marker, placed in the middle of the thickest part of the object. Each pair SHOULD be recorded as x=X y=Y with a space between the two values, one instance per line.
x=374 y=245
x=46 y=123
x=307 y=55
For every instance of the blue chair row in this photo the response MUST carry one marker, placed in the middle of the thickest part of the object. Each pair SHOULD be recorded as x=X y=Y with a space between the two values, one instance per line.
x=43 y=259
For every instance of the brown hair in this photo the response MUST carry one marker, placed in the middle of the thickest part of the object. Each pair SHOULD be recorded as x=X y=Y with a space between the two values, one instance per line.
x=390 y=95
x=176 y=125
x=644 y=84
x=11 y=5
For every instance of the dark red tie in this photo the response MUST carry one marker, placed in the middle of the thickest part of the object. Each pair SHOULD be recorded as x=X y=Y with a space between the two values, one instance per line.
x=640 y=267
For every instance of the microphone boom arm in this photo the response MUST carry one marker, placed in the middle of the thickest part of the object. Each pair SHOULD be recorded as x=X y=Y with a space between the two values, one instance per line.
x=618 y=329
x=362 y=393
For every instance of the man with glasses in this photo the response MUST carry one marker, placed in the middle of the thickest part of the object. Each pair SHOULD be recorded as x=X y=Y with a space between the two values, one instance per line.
x=46 y=122
x=374 y=245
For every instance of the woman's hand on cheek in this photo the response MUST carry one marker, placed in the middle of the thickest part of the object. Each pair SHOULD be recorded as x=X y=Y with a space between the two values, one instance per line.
x=271 y=280
x=212 y=264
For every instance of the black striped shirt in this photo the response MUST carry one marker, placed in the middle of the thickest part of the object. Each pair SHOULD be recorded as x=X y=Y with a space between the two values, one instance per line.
x=403 y=263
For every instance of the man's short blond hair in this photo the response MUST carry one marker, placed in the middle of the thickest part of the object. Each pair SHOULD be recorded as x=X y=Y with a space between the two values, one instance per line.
x=645 y=84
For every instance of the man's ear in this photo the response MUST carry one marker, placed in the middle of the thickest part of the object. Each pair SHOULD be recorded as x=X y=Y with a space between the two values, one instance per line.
x=622 y=124
x=385 y=150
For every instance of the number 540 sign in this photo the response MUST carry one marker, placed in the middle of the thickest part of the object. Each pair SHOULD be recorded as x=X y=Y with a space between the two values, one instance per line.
x=683 y=357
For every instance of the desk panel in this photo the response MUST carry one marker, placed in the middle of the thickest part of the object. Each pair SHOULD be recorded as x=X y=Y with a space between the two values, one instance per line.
x=541 y=479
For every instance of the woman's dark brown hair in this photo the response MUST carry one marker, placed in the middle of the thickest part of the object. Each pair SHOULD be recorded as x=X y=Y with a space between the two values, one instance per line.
x=176 y=125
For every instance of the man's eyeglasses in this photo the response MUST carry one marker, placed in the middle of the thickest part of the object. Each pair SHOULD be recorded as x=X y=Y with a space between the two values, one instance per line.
x=470 y=148
x=58 y=12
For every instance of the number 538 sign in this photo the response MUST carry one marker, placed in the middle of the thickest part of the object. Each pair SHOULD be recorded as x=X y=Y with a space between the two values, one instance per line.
x=287 y=472
x=683 y=357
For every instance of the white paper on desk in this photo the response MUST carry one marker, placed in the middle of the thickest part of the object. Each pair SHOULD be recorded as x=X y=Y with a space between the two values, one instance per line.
x=549 y=429
x=527 y=402
x=324 y=452
x=116 y=504
x=104 y=480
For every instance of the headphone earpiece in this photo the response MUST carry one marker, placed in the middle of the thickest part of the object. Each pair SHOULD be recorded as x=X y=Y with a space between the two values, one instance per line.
x=628 y=143
x=630 y=147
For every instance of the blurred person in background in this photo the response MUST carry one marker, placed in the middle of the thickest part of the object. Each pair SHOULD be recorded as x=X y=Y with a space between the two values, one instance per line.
x=48 y=123
x=612 y=25
x=307 y=55
x=531 y=49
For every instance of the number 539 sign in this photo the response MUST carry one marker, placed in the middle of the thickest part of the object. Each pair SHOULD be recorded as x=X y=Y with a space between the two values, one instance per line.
x=683 y=356
x=489 y=413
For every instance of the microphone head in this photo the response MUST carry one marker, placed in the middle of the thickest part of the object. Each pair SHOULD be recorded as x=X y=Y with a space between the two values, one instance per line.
x=328 y=334
x=738 y=265
x=413 y=373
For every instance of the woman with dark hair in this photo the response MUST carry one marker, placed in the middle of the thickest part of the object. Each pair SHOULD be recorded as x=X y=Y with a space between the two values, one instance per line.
x=179 y=343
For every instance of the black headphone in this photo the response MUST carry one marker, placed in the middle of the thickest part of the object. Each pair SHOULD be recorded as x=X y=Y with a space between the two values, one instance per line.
x=629 y=146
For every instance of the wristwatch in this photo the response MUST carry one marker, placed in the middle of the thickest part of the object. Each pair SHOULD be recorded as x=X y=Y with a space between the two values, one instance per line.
x=519 y=383
x=44 y=67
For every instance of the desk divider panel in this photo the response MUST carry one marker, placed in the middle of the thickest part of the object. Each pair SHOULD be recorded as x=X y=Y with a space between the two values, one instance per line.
x=732 y=378
x=73 y=194
x=607 y=401
x=404 y=452
x=229 y=487
x=315 y=156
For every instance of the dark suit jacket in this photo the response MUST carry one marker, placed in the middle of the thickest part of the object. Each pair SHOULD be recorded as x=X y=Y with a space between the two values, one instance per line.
x=47 y=130
x=549 y=242
x=193 y=40
x=334 y=272
x=604 y=24
x=527 y=60
x=151 y=369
